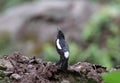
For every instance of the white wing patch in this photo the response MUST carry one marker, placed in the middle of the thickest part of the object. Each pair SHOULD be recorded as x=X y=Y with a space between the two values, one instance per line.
x=58 y=44
x=66 y=54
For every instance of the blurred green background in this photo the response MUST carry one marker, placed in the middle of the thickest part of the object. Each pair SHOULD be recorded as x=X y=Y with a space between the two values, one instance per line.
x=98 y=42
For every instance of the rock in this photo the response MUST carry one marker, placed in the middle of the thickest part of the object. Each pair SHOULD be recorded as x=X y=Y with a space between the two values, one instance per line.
x=15 y=76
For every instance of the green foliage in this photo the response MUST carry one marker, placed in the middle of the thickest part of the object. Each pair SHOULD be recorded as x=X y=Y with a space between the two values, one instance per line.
x=102 y=38
x=96 y=25
x=6 y=46
x=10 y=3
x=2 y=75
x=74 y=53
x=50 y=53
x=111 y=77
x=116 y=2
x=99 y=56
x=4 y=40
x=2 y=68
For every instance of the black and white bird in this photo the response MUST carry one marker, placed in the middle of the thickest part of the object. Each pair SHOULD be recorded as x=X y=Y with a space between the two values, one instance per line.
x=63 y=50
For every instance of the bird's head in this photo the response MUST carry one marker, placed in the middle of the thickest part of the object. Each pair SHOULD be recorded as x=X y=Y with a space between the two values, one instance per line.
x=60 y=35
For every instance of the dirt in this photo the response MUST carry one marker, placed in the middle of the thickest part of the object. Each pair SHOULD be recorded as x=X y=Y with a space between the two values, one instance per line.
x=22 y=69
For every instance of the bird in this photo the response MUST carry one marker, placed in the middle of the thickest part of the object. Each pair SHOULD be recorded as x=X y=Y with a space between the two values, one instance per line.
x=63 y=50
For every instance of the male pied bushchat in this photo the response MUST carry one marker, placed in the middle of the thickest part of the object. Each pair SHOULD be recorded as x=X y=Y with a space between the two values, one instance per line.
x=63 y=50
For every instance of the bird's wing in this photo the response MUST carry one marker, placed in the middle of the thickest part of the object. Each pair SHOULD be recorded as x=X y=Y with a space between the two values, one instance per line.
x=64 y=45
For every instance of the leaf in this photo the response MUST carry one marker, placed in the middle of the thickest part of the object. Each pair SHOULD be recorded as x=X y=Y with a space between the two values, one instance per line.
x=113 y=77
x=2 y=68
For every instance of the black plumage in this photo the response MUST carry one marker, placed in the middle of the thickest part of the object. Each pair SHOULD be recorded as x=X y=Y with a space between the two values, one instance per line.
x=62 y=49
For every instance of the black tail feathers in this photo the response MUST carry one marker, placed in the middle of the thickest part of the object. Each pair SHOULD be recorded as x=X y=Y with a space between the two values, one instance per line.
x=63 y=64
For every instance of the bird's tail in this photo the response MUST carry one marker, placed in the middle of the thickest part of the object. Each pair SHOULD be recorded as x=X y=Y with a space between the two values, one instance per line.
x=64 y=65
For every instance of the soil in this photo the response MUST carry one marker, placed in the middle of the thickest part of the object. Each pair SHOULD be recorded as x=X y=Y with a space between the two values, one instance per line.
x=22 y=69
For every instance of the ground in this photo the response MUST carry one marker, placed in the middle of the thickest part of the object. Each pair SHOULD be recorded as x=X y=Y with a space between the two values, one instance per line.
x=22 y=69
